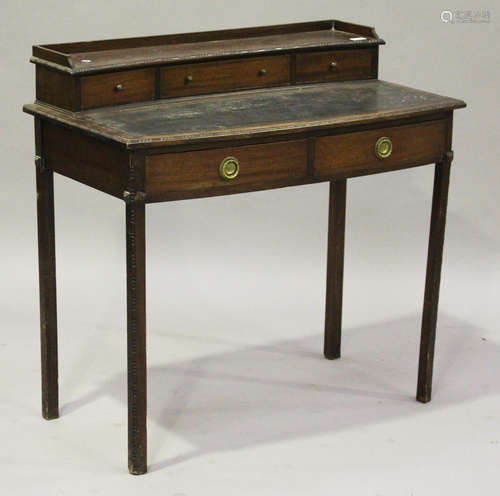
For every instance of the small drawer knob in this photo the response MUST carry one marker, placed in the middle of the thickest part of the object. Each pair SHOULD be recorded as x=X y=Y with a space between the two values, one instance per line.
x=119 y=87
x=189 y=79
x=262 y=72
x=333 y=65
x=229 y=168
x=383 y=147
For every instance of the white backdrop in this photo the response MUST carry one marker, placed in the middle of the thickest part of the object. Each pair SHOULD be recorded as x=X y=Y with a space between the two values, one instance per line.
x=241 y=401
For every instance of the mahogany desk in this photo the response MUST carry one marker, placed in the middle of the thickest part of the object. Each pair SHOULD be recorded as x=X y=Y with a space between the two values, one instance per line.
x=195 y=115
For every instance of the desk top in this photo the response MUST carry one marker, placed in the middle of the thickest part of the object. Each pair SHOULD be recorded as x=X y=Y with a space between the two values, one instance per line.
x=254 y=113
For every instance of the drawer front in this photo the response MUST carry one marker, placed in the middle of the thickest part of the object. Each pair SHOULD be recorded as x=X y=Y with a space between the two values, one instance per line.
x=117 y=87
x=209 y=77
x=201 y=170
x=336 y=65
x=355 y=153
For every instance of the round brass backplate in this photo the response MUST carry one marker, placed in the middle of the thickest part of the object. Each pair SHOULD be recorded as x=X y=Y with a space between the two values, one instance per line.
x=229 y=168
x=383 y=147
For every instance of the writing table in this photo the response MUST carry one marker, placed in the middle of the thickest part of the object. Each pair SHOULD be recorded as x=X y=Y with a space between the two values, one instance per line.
x=215 y=113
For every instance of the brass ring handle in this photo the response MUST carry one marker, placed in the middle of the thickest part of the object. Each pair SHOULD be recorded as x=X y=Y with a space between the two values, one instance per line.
x=229 y=168
x=189 y=79
x=383 y=147
x=119 y=87
x=262 y=72
x=333 y=65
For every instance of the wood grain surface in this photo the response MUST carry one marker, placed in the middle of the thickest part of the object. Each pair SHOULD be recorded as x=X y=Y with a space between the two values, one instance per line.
x=347 y=64
x=259 y=164
x=424 y=142
x=212 y=77
x=102 y=89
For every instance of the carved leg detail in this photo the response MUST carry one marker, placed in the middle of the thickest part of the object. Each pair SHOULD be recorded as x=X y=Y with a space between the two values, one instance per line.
x=136 y=337
x=335 y=269
x=433 y=277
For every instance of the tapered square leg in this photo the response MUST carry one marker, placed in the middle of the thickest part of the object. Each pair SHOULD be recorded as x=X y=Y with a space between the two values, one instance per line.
x=47 y=283
x=433 y=277
x=335 y=269
x=136 y=335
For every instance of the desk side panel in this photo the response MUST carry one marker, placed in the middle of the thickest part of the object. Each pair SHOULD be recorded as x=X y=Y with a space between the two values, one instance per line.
x=98 y=164
x=57 y=88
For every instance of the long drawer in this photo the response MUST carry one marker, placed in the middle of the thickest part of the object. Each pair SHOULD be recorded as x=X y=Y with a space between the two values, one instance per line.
x=211 y=77
x=225 y=168
x=380 y=149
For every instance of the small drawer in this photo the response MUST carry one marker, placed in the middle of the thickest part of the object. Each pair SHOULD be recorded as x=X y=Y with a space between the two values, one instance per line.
x=223 y=168
x=380 y=149
x=117 y=87
x=210 y=77
x=336 y=65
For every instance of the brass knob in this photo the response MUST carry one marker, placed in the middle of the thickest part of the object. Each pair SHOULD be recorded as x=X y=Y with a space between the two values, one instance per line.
x=383 y=147
x=189 y=79
x=262 y=72
x=333 y=65
x=229 y=168
x=119 y=87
